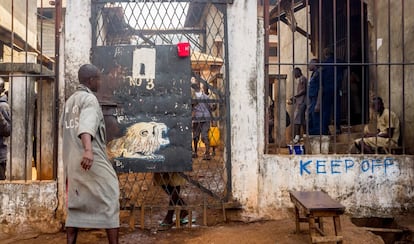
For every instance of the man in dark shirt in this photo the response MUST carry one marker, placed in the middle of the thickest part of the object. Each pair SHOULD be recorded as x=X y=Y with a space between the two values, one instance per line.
x=5 y=128
x=313 y=94
x=331 y=76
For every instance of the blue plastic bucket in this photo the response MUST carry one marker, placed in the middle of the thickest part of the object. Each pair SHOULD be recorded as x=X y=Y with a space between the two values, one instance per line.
x=296 y=149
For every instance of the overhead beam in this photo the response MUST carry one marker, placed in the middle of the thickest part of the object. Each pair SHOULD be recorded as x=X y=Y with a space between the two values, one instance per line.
x=298 y=29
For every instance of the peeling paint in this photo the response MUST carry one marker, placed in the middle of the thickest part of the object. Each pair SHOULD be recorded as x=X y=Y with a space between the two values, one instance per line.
x=371 y=186
x=29 y=206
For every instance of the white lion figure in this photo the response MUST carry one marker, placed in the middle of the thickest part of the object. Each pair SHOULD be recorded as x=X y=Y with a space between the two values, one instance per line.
x=141 y=140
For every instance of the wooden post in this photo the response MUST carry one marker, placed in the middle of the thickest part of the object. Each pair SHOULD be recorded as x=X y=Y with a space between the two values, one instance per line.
x=44 y=131
x=142 y=217
x=132 y=217
x=22 y=105
x=21 y=100
x=338 y=228
x=279 y=87
x=190 y=218
x=297 y=221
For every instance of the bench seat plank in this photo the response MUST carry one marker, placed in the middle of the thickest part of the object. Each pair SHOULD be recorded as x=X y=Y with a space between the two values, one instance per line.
x=317 y=201
x=315 y=205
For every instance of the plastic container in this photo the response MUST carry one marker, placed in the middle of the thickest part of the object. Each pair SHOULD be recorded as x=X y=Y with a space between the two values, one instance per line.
x=296 y=149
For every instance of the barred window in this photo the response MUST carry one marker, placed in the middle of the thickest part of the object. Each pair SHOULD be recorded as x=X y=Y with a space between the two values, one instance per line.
x=352 y=57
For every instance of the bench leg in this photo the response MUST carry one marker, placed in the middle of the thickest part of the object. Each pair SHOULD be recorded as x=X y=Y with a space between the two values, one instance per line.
x=337 y=225
x=320 y=220
x=297 y=220
x=312 y=228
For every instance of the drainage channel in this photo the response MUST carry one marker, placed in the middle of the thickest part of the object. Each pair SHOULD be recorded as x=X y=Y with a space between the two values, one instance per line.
x=387 y=228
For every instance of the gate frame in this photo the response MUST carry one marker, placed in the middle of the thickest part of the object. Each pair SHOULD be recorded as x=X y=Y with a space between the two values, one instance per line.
x=226 y=201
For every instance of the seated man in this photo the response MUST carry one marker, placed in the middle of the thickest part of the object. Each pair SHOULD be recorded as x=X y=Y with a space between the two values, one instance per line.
x=388 y=130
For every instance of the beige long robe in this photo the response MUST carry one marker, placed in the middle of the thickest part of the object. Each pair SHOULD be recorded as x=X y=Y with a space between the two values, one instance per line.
x=93 y=195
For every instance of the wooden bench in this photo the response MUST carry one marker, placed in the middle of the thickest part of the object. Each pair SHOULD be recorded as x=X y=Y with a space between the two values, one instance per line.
x=310 y=207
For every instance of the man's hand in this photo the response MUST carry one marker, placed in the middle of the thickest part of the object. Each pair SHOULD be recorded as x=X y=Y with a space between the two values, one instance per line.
x=292 y=100
x=87 y=159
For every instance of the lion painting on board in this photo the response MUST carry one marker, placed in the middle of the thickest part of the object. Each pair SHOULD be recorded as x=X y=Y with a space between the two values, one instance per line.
x=141 y=140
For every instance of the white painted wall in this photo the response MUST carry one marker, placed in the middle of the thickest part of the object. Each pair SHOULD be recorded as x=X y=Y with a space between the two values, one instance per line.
x=28 y=205
x=395 y=48
x=243 y=75
x=75 y=45
x=77 y=41
x=367 y=185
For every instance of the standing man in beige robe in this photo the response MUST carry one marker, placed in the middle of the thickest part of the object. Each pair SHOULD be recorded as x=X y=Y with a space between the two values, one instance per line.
x=299 y=99
x=91 y=181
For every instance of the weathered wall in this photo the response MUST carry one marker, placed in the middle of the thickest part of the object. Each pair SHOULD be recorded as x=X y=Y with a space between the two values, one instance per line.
x=393 y=45
x=20 y=27
x=78 y=36
x=244 y=80
x=28 y=205
x=367 y=185
x=76 y=49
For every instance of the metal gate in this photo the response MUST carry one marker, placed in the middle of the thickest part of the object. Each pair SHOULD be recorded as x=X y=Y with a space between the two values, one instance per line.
x=121 y=29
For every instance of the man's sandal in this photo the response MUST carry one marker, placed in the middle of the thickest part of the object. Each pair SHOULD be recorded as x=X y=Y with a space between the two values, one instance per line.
x=164 y=226
x=185 y=220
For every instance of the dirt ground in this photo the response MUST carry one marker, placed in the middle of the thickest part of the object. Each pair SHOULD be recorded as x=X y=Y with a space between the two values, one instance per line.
x=276 y=231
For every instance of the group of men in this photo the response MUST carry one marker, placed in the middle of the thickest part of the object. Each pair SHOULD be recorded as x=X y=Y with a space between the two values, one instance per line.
x=324 y=94
x=323 y=89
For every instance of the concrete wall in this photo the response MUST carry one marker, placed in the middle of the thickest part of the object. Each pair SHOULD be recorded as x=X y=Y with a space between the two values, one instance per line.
x=367 y=186
x=77 y=42
x=76 y=50
x=20 y=27
x=246 y=126
x=396 y=47
x=28 y=206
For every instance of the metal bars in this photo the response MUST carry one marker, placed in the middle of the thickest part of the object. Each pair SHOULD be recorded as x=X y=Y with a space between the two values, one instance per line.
x=366 y=63
x=27 y=65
